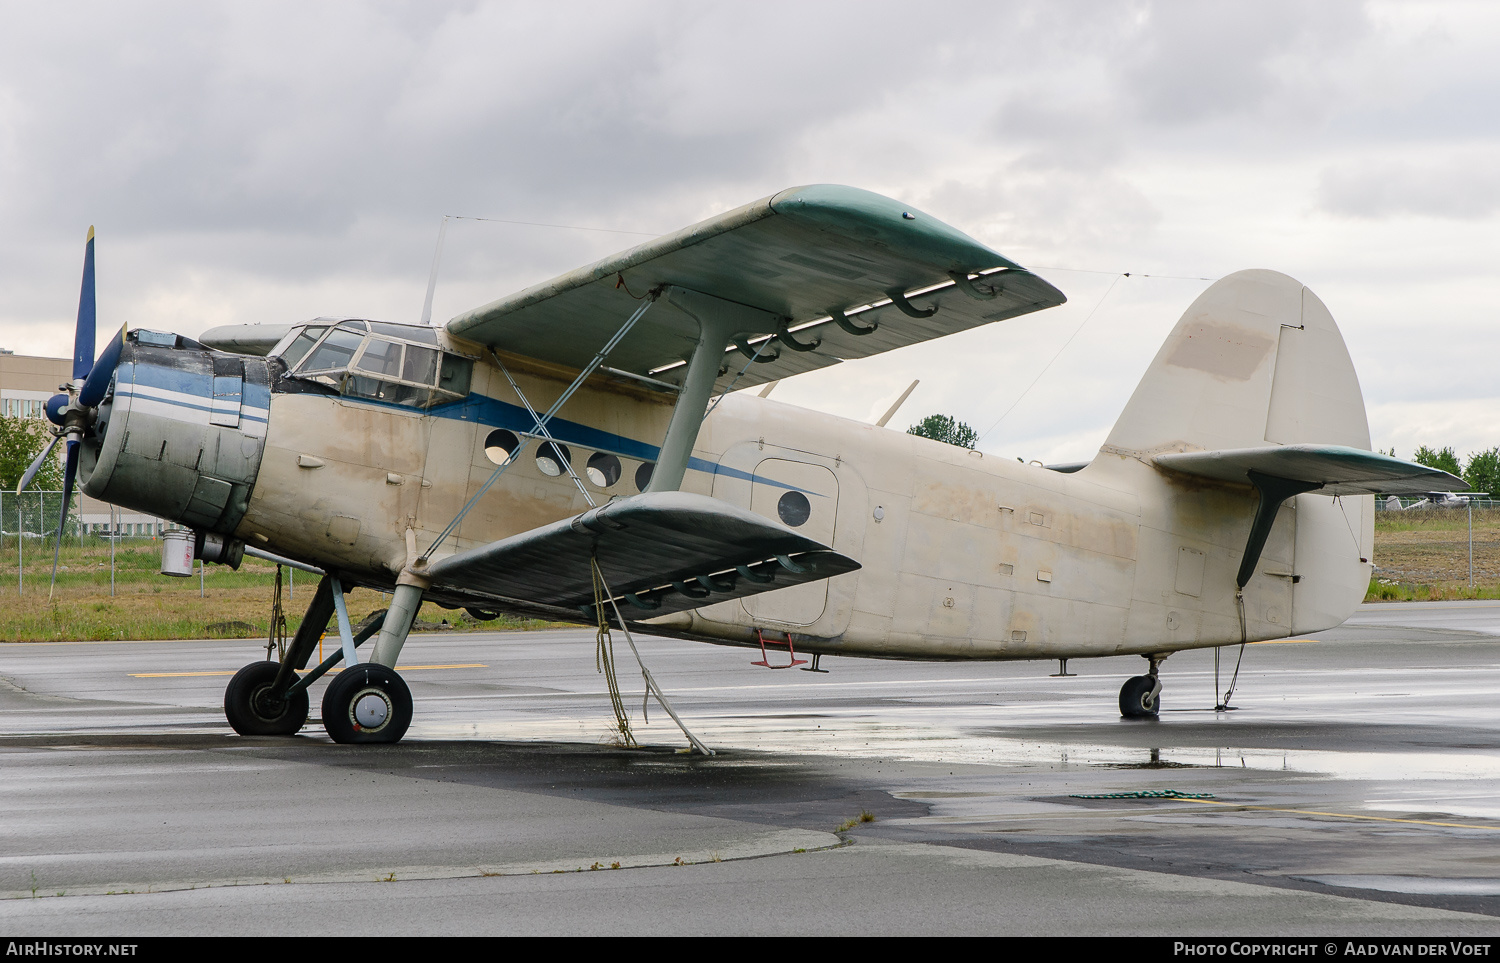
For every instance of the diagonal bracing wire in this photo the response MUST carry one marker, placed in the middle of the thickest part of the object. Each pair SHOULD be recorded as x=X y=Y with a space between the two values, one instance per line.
x=1076 y=332
x=541 y=422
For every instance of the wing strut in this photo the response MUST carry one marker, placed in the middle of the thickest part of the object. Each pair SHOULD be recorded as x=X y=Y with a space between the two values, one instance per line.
x=720 y=323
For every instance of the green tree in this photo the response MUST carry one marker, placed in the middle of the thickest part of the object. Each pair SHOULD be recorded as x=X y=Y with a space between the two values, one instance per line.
x=945 y=428
x=1444 y=460
x=21 y=440
x=1483 y=471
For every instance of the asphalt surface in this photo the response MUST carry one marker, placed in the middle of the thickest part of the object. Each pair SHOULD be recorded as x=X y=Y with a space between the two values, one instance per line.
x=1354 y=790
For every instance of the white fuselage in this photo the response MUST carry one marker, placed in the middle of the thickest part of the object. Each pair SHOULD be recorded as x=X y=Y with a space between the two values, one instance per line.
x=965 y=555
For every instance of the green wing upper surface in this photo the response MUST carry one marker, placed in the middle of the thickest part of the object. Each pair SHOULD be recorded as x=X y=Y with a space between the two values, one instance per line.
x=799 y=255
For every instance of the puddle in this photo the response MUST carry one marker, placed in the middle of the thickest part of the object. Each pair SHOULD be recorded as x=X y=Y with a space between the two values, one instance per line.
x=1420 y=885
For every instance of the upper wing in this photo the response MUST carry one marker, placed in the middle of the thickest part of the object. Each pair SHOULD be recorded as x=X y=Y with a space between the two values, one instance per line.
x=256 y=339
x=1339 y=470
x=659 y=553
x=801 y=255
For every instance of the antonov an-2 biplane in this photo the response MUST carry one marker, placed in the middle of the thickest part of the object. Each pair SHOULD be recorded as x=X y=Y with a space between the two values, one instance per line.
x=548 y=455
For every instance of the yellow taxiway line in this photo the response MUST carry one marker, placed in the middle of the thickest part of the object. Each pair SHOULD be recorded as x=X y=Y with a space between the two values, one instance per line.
x=404 y=668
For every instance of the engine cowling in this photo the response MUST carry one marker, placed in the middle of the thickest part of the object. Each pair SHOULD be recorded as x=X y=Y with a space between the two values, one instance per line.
x=182 y=432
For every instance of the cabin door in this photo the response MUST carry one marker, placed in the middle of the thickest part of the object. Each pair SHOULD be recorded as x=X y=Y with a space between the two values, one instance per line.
x=805 y=498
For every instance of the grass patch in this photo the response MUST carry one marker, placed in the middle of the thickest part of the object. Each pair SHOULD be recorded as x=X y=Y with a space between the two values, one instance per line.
x=149 y=605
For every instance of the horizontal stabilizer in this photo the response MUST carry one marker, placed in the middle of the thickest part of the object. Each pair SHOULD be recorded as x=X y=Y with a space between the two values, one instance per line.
x=1337 y=470
x=660 y=552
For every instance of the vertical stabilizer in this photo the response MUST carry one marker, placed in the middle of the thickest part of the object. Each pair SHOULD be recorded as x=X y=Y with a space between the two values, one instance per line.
x=1256 y=359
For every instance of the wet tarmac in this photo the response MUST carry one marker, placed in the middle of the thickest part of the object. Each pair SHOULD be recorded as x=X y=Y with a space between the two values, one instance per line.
x=1354 y=789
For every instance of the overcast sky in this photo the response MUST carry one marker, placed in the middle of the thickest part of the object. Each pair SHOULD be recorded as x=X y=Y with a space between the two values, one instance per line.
x=249 y=162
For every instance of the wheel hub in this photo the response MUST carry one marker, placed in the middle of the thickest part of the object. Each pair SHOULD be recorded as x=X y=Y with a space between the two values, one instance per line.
x=266 y=705
x=371 y=709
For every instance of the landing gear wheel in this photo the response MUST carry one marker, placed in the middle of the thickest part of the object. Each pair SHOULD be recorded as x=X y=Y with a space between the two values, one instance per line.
x=1140 y=697
x=367 y=703
x=250 y=709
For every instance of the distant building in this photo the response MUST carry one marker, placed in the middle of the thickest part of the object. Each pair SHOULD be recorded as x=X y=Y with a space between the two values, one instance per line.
x=26 y=382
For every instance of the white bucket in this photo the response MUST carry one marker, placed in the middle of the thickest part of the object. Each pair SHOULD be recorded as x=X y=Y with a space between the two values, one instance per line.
x=177 y=554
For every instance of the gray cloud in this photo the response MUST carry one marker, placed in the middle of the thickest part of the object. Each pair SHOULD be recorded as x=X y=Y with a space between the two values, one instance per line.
x=1457 y=187
x=264 y=161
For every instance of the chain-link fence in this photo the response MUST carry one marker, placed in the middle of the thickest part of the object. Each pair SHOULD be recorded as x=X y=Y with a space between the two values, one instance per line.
x=33 y=517
x=1423 y=546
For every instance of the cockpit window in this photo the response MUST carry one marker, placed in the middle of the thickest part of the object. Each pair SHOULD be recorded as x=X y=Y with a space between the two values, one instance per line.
x=334 y=352
x=421 y=364
x=406 y=332
x=381 y=357
x=456 y=374
x=304 y=340
x=384 y=365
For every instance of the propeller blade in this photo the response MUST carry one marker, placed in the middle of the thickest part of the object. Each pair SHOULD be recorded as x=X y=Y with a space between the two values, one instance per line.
x=69 y=473
x=83 y=335
x=36 y=466
x=96 y=385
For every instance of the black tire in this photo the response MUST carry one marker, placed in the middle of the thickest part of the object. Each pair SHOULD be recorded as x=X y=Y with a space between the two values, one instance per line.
x=251 y=713
x=367 y=703
x=1140 y=697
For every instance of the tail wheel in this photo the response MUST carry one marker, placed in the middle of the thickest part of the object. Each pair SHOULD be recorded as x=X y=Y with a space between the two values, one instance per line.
x=1140 y=697
x=367 y=703
x=252 y=711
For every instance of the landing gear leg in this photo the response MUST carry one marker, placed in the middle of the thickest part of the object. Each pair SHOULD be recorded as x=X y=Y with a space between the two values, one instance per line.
x=258 y=700
x=371 y=702
x=1140 y=696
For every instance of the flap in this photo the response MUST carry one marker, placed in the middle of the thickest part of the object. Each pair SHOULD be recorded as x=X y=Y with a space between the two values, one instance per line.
x=1339 y=470
x=660 y=553
x=798 y=255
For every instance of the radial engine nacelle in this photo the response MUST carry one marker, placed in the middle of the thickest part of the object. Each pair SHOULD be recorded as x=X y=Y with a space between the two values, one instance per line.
x=182 y=434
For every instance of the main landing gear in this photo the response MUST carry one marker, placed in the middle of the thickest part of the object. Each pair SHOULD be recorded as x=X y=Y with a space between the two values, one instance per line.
x=1140 y=696
x=365 y=703
x=254 y=709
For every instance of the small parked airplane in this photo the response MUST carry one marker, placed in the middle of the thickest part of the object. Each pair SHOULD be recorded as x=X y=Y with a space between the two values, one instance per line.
x=1430 y=500
x=555 y=454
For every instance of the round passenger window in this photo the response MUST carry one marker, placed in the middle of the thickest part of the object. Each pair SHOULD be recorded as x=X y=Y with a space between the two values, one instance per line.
x=643 y=475
x=794 y=508
x=603 y=469
x=552 y=459
x=500 y=444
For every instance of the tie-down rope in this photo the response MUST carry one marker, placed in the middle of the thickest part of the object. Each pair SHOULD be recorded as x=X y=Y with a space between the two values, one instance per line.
x=604 y=659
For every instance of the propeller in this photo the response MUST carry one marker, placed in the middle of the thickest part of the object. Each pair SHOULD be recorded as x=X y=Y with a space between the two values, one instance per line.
x=75 y=411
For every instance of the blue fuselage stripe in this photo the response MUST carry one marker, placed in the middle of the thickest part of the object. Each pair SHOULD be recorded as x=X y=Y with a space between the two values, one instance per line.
x=485 y=411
